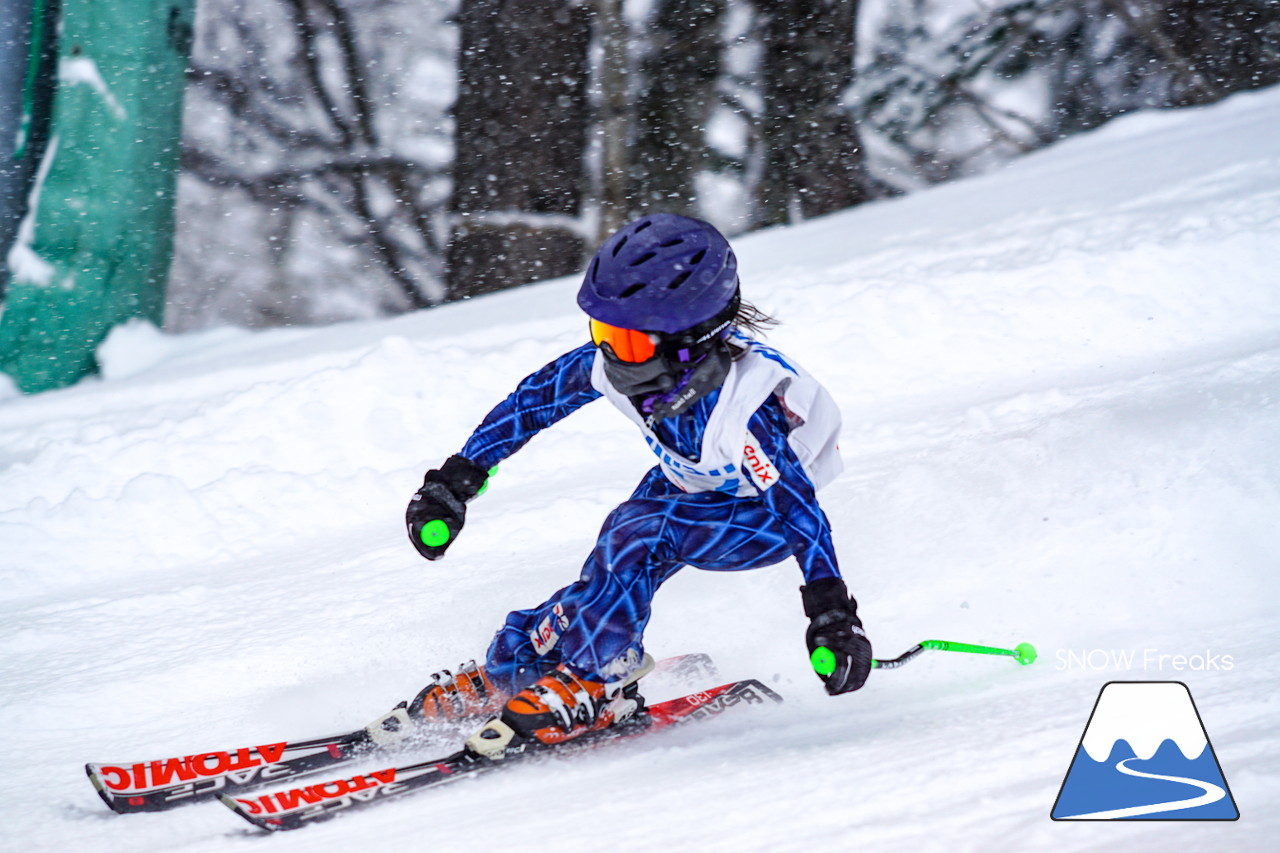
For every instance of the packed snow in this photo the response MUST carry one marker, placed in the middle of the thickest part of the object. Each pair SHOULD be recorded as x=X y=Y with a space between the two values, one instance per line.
x=1061 y=391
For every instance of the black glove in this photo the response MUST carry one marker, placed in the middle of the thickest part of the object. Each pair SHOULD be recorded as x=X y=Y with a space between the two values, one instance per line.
x=838 y=647
x=438 y=510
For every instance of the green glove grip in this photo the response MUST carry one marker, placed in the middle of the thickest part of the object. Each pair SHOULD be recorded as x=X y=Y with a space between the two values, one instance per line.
x=434 y=533
x=485 y=484
x=823 y=661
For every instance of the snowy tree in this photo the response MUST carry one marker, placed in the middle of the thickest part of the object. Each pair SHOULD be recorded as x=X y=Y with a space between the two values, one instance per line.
x=813 y=158
x=945 y=91
x=315 y=162
x=1215 y=47
x=347 y=158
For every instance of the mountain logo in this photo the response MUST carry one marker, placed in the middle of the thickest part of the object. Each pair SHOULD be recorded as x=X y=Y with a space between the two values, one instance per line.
x=1145 y=755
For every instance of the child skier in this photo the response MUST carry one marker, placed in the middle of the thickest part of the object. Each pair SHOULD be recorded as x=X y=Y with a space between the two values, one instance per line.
x=744 y=438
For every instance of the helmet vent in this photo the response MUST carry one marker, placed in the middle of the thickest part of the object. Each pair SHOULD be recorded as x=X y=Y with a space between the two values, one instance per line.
x=647 y=256
x=643 y=225
x=679 y=279
x=617 y=247
x=675 y=241
x=633 y=289
x=697 y=259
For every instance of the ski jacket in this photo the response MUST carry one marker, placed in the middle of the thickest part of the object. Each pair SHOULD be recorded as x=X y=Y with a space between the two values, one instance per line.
x=768 y=433
x=729 y=456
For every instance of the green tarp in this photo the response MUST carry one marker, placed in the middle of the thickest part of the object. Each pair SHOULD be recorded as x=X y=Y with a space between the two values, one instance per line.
x=95 y=247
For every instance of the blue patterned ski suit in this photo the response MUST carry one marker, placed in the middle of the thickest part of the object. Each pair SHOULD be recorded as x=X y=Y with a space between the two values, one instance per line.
x=596 y=623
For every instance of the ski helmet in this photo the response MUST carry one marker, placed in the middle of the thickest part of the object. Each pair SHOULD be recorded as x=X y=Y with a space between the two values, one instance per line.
x=662 y=293
x=660 y=273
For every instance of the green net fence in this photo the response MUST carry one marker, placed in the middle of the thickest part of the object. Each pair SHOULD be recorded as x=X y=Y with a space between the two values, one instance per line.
x=95 y=245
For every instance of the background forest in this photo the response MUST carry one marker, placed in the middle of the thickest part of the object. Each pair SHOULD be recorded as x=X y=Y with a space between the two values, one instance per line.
x=357 y=158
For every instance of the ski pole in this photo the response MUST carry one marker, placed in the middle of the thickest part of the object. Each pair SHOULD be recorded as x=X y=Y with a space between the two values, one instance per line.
x=1024 y=653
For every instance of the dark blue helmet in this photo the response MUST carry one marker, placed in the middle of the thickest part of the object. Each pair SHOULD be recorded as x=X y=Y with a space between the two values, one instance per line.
x=660 y=273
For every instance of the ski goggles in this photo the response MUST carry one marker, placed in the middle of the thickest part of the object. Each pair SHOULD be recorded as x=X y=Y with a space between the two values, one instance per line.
x=626 y=344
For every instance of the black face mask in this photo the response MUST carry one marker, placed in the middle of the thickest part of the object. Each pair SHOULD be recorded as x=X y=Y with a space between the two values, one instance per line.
x=685 y=367
x=706 y=377
x=663 y=387
x=643 y=379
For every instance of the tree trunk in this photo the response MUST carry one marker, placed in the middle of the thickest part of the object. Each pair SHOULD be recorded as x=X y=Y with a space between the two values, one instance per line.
x=614 y=124
x=1228 y=45
x=678 y=76
x=813 y=156
x=520 y=132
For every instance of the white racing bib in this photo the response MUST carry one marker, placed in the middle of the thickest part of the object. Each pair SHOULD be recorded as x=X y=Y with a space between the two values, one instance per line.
x=731 y=460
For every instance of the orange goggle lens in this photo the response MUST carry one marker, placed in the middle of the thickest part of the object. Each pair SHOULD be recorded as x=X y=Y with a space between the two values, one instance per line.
x=627 y=344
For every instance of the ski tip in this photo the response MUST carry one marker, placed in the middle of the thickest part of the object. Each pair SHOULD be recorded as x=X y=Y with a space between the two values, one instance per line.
x=91 y=770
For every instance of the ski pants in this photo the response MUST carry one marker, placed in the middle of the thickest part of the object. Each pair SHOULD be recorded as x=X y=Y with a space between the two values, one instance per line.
x=596 y=624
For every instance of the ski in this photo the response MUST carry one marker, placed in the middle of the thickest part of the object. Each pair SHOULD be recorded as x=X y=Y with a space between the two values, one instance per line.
x=151 y=786
x=301 y=806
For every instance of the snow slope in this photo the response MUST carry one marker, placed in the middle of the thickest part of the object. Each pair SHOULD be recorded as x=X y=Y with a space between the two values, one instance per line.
x=1061 y=387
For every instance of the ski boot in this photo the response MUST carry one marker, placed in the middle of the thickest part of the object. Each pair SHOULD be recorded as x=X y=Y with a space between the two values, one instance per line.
x=449 y=699
x=560 y=706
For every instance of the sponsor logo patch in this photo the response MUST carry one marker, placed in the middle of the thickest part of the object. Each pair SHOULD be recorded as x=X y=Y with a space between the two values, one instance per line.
x=762 y=470
x=549 y=629
x=284 y=801
x=156 y=774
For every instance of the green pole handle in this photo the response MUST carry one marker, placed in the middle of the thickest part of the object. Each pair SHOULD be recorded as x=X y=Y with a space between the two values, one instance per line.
x=823 y=661
x=434 y=533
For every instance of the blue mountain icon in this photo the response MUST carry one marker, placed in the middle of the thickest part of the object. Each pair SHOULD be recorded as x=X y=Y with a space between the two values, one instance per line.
x=1145 y=755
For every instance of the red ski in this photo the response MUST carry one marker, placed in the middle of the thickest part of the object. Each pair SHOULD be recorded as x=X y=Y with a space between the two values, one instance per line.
x=297 y=807
x=151 y=786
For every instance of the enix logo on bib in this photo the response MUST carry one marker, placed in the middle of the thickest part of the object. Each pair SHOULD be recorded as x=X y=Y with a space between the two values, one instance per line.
x=1145 y=755
x=763 y=473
